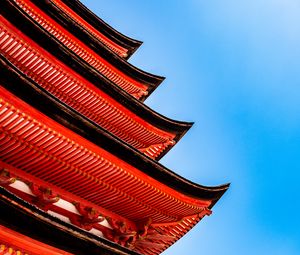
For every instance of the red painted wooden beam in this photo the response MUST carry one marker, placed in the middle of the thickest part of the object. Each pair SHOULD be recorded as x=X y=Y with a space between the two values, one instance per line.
x=99 y=24
x=57 y=155
x=135 y=88
x=40 y=147
x=12 y=242
x=80 y=94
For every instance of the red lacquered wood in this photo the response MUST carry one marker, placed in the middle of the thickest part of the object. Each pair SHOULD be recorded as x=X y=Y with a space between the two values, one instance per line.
x=35 y=146
x=12 y=242
x=80 y=167
x=109 y=43
x=80 y=94
x=133 y=87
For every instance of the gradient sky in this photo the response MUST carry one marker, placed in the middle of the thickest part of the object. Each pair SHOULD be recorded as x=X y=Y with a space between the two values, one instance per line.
x=232 y=67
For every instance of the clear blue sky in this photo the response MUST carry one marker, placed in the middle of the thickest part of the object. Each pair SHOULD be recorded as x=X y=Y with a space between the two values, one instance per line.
x=233 y=67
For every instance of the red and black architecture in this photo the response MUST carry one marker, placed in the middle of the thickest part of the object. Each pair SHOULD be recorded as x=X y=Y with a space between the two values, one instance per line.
x=79 y=150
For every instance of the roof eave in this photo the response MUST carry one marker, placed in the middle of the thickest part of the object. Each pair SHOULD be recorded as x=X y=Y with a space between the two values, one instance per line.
x=32 y=94
x=64 y=20
x=179 y=128
x=50 y=230
x=129 y=43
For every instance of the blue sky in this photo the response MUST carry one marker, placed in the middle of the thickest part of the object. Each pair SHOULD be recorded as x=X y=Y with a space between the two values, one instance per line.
x=233 y=68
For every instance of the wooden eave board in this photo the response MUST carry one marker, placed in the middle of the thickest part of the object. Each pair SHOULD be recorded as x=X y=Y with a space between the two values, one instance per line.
x=80 y=94
x=83 y=51
x=130 y=44
x=87 y=164
x=42 y=148
x=151 y=80
x=26 y=219
x=30 y=92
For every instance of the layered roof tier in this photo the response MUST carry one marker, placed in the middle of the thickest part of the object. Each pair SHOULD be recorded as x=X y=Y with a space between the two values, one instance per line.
x=88 y=19
x=52 y=162
x=32 y=94
x=78 y=149
x=89 y=93
x=77 y=39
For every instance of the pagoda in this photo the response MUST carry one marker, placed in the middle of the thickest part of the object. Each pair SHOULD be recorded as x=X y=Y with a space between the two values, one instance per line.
x=79 y=150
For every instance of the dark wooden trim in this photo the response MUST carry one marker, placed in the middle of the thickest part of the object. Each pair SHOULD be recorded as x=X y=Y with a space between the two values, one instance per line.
x=130 y=44
x=30 y=92
x=25 y=218
x=152 y=81
x=19 y=19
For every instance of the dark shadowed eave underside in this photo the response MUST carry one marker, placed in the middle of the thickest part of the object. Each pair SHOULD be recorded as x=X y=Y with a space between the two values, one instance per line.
x=152 y=81
x=178 y=128
x=32 y=94
x=28 y=220
x=131 y=44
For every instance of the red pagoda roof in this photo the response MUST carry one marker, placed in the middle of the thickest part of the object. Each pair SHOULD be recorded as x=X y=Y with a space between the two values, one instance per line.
x=83 y=96
x=65 y=21
x=78 y=149
x=61 y=160
x=96 y=27
x=79 y=11
x=133 y=87
x=30 y=92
